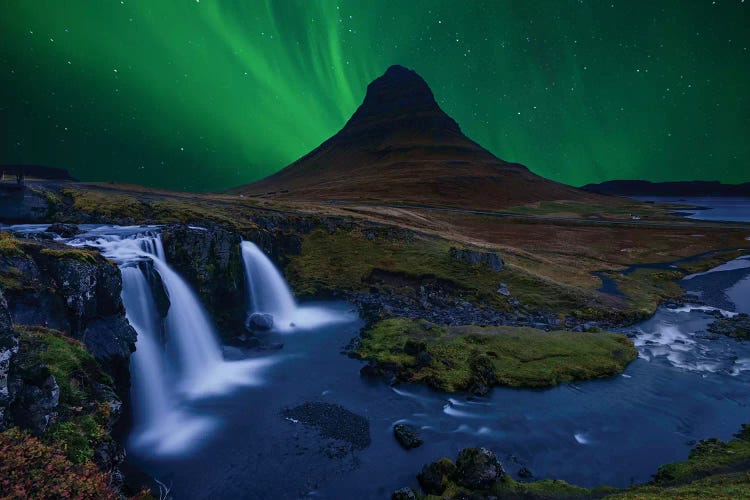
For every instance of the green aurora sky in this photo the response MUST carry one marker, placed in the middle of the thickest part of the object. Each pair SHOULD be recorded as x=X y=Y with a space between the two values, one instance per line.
x=203 y=95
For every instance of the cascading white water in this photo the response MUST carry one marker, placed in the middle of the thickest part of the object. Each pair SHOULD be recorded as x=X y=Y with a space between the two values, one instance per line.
x=267 y=289
x=270 y=294
x=188 y=328
x=190 y=365
x=149 y=367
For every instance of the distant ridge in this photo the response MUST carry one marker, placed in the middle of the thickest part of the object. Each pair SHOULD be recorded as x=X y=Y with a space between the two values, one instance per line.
x=38 y=172
x=678 y=188
x=400 y=147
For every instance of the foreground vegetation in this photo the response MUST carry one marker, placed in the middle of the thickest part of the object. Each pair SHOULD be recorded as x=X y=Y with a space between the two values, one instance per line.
x=59 y=462
x=467 y=357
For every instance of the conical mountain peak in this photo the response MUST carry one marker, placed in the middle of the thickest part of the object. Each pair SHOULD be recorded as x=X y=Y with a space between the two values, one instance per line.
x=400 y=147
x=401 y=99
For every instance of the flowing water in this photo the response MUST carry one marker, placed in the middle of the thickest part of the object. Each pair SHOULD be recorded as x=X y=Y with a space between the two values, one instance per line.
x=234 y=443
x=178 y=358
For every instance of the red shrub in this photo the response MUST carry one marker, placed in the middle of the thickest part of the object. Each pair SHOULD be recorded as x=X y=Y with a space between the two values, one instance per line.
x=30 y=468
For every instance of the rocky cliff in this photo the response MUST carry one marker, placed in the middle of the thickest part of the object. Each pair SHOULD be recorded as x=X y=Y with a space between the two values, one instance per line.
x=64 y=351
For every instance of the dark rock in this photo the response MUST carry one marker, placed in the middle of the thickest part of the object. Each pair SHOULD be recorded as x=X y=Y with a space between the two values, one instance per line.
x=424 y=358
x=64 y=230
x=111 y=340
x=22 y=204
x=525 y=473
x=414 y=347
x=475 y=258
x=477 y=468
x=373 y=370
x=435 y=477
x=260 y=322
x=404 y=494
x=333 y=422
x=108 y=455
x=737 y=326
x=36 y=400
x=209 y=258
x=407 y=436
x=271 y=346
x=8 y=350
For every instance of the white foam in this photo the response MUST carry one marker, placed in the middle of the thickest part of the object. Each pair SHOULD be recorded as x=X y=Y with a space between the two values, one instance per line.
x=581 y=438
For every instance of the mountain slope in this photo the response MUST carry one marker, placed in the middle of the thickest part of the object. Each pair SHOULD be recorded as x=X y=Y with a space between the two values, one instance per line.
x=400 y=147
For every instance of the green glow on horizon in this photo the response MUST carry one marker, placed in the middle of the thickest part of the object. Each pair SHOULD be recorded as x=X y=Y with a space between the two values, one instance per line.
x=206 y=95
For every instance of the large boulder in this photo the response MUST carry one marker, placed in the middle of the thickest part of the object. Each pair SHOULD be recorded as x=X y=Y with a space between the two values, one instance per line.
x=407 y=436
x=476 y=258
x=259 y=322
x=63 y=230
x=435 y=477
x=477 y=468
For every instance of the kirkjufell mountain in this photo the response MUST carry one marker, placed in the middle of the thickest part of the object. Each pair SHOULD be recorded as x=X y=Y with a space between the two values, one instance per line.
x=400 y=147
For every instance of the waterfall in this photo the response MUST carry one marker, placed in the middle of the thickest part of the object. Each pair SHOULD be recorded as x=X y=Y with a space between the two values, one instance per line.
x=270 y=294
x=148 y=362
x=267 y=288
x=189 y=330
x=166 y=378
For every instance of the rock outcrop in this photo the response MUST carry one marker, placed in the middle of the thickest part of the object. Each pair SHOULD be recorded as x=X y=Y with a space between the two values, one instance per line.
x=475 y=258
x=74 y=291
x=64 y=343
x=209 y=259
x=8 y=350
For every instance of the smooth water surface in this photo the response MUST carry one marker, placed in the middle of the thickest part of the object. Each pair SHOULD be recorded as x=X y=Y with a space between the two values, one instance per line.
x=714 y=208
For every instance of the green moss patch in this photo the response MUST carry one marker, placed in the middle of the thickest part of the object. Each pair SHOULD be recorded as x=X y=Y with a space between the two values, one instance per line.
x=87 y=256
x=9 y=246
x=81 y=418
x=463 y=357
x=73 y=367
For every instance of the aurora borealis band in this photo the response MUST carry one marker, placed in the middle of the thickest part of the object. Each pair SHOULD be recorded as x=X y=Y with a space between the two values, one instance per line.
x=203 y=95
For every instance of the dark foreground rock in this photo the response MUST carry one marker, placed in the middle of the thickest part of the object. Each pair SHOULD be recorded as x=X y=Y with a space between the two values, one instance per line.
x=407 y=436
x=477 y=468
x=333 y=422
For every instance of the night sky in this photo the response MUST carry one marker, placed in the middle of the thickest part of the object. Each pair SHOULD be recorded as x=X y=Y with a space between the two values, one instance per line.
x=205 y=95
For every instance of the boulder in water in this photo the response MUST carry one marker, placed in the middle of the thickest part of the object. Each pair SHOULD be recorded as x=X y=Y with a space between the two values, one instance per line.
x=260 y=322
x=63 y=230
x=407 y=436
x=477 y=468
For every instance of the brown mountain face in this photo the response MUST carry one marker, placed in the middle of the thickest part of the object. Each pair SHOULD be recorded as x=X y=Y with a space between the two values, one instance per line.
x=399 y=147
